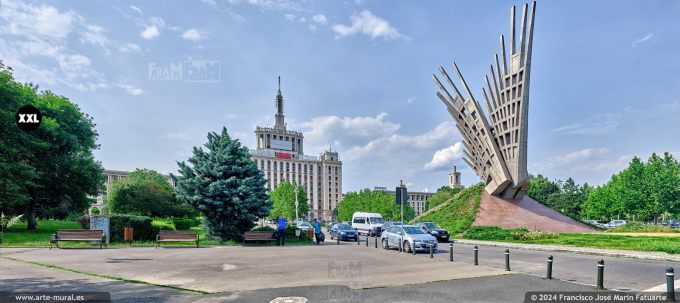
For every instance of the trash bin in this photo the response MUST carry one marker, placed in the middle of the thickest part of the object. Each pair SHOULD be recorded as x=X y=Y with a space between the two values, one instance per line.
x=128 y=235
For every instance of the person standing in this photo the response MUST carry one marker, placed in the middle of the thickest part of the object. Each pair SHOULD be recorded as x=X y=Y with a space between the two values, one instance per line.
x=317 y=230
x=281 y=223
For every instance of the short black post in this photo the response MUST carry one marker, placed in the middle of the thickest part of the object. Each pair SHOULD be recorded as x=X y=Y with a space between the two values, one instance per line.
x=450 y=252
x=548 y=275
x=507 y=260
x=366 y=241
x=358 y=239
x=338 y=240
x=600 y=274
x=670 y=284
x=376 y=241
x=413 y=248
x=476 y=255
x=431 y=252
x=401 y=247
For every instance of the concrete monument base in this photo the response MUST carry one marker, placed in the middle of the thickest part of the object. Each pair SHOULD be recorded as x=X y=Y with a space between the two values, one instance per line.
x=525 y=212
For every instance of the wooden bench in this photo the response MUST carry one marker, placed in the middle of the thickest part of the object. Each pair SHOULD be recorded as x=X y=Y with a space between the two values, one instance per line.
x=261 y=235
x=176 y=236
x=79 y=235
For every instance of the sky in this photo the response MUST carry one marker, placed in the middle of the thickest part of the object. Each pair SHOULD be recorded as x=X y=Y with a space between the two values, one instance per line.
x=157 y=76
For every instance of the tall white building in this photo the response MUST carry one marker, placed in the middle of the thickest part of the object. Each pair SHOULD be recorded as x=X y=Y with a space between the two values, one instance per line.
x=280 y=156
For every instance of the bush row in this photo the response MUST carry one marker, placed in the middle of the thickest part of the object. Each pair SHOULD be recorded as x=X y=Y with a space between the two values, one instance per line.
x=497 y=233
x=145 y=228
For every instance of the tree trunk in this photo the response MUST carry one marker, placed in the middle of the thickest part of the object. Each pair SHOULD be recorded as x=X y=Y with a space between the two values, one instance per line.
x=32 y=224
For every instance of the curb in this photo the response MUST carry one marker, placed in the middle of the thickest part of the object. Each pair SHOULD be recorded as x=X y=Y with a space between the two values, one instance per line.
x=656 y=256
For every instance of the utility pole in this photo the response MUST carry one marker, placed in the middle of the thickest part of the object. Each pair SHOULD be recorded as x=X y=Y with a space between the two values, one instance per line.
x=296 y=200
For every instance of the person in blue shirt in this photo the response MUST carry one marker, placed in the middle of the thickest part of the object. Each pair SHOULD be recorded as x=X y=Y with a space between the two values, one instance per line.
x=317 y=230
x=281 y=224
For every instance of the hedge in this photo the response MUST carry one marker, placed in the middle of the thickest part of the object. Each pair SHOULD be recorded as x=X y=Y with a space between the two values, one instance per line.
x=143 y=229
x=184 y=224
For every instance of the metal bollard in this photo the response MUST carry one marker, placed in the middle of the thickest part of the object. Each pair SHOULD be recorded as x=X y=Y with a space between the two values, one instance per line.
x=358 y=239
x=338 y=240
x=476 y=255
x=450 y=252
x=401 y=247
x=548 y=275
x=600 y=274
x=376 y=242
x=670 y=281
x=507 y=260
x=431 y=256
x=413 y=248
x=366 y=241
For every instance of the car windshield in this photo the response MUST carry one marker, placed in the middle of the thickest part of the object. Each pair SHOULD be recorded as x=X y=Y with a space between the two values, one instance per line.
x=376 y=220
x=411 y=230
x=430 y=225
x=344 y=227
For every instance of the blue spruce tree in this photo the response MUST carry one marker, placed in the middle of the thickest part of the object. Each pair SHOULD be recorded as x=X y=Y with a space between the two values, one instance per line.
x=224 y=184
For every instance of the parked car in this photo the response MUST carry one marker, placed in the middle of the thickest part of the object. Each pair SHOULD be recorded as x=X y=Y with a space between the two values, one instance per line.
x=330 y=225
x=344 y=232
x=434 y=230
x=615 y=223
x=407 y=236
x=388 y=224
x=304 y=226
x=367 y=223
x=673 y=223
x=596 y=223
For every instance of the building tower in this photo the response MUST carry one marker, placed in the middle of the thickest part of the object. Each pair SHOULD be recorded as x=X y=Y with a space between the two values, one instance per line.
x=454 y=178
x=280 y=122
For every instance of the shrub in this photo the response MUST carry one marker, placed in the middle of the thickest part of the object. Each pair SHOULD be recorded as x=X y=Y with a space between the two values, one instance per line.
x=497 y=233
x=264 y=228
x=143 y=230
x=94 y=211
x=184 y=224
x=639 y=227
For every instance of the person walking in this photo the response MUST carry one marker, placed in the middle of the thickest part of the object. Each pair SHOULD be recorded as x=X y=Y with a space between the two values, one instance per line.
x=317 y=230
x=281 y=223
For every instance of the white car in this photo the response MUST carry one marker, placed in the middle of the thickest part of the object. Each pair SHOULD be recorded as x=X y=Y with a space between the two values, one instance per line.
x=616 y=223
x=304 y=226
x=367 y=223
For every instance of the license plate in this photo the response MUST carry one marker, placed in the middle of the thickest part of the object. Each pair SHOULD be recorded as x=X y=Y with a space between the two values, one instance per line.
x=445 y=236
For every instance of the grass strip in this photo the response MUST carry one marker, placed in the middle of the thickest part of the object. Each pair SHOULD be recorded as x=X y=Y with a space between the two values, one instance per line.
x=202 y=292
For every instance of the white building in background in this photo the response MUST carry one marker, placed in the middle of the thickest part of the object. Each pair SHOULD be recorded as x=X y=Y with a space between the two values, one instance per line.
x=454 y=179
x=416 y=199
x=279 y=154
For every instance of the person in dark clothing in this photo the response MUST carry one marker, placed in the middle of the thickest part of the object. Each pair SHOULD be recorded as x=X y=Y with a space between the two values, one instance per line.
x=317 y=230
x=281 y=224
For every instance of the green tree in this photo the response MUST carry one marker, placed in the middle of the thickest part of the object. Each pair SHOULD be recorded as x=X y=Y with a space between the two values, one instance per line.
x=373 y=201
x=53 y=166
x=541 y=188
x=224 y=184
x=145 y=192
x=283 y=197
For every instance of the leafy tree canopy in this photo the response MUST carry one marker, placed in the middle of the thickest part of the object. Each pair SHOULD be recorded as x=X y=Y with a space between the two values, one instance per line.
x=373 y=201
x=283 y=197
x=145 y=192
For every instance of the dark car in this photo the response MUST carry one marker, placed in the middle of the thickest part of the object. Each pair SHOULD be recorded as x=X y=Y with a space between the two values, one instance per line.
x=433 y=229
x=344 y=232
x=387 y=225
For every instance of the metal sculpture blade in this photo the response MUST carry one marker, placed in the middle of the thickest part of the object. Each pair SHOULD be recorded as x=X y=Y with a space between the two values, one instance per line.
x=497 y=150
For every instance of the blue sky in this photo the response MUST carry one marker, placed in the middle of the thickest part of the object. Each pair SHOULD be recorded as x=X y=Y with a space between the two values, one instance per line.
x=355 y=76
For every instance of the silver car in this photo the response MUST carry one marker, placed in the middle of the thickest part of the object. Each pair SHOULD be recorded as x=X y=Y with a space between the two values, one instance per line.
x=407 y=236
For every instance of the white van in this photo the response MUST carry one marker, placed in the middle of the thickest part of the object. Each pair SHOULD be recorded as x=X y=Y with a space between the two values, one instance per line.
x=367 y=223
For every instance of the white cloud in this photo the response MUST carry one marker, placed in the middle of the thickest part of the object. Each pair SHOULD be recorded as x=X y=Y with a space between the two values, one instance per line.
x=444 y=158
x=569 y=160
x=193 y=35
x=600 y=124
x=312 y=27
x=320 y=19
x=132 y=90
x=136 y=9
x=150 y=32
x=411 y=100
x=42 y=21
x=643 y=39
x=368 y=24
x=129 y=47
x=290 y=17
x=94 y=35
x=351 y=130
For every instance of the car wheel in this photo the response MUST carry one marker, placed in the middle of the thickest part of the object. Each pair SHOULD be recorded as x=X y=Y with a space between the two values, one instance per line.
x=384 y=244
x=407 y=247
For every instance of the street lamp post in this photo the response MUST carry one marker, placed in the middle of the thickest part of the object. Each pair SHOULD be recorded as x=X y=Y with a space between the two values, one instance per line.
x=296 y=203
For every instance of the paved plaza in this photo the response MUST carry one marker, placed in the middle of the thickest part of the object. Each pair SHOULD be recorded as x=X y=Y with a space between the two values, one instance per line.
x=325 y=273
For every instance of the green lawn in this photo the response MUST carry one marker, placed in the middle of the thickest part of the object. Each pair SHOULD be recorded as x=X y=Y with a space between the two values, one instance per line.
x=18 y=236
x=669 y=245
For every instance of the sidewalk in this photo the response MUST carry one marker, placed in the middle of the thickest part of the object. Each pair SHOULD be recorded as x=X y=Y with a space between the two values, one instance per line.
x=645 y=255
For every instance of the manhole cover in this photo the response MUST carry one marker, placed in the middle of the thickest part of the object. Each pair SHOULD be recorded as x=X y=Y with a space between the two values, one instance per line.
x=289 y=300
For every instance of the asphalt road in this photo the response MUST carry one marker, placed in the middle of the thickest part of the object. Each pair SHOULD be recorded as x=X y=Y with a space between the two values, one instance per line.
x=625 y=274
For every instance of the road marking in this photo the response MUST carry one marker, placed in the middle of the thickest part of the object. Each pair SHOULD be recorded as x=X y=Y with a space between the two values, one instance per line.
x=662 y=287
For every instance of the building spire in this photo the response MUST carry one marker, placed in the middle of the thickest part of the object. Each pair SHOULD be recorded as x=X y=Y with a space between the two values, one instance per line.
x=280 y=123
